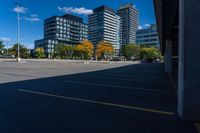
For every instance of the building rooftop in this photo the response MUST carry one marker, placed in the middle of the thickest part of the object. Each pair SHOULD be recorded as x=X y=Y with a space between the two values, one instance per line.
x=68 y=16
x=128 y=6
x=72 y=17
x=104 y=8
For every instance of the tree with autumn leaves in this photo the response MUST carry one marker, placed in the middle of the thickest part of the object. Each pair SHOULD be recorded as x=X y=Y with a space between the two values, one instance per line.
x=80 y=51
x=85 y=49
x=104 y=50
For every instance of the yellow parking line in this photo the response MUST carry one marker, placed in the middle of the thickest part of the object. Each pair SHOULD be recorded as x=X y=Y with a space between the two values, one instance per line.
x=197 y=126
x=98 y=102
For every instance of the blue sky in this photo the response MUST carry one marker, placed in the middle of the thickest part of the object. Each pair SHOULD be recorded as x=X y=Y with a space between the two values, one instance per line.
x=35 y=11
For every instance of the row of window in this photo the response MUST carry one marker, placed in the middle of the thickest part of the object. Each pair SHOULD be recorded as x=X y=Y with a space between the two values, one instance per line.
x=147 y=40
x=70 y=27
x=147 y=36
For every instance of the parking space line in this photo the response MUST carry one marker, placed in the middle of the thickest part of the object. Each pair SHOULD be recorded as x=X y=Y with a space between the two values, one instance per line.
x=173 y=83
x=120 y=87
x=129 y=79
x=132 y=76
x=98 y=102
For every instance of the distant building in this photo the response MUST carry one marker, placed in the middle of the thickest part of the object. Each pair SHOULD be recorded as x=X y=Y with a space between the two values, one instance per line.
x=129 y=15
x=67 y=29
x=104 y=25
x=148 y=36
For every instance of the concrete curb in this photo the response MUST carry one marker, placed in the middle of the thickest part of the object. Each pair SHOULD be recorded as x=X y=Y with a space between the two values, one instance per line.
x=72 y=61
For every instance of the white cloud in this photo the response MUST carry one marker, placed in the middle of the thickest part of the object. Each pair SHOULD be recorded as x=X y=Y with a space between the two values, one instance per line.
x=32 y=19
x=5 y=39
x=20 y=9
x=140 y=27
x=29 y=45
x=147 y=25
x=34 y=15
x=81 y=10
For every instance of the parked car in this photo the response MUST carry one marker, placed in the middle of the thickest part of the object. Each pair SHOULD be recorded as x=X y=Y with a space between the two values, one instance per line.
x=156 y=61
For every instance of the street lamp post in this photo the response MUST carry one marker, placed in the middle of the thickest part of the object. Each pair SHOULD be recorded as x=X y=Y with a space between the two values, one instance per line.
x=18 y=31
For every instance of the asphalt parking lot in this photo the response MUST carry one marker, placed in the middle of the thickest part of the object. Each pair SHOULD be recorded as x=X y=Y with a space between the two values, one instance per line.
x=74 y=97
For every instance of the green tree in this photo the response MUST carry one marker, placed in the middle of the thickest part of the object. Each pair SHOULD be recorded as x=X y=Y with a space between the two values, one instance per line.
x=147 y=45
x=130 y=51
x=39 y=53
x=64 y=51
x=60 y=50
x=24 y=52
x=150 y=54
x=2 y=47
x=77 y=52
x=69 y=51
x=83 y=50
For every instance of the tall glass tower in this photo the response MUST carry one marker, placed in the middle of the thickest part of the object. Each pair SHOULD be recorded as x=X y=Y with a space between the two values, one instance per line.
x=104 y=25
x=129 y=15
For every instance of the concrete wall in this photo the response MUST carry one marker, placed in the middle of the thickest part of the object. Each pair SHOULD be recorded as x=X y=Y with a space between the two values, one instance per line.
x=168 y=56
x=189 y=60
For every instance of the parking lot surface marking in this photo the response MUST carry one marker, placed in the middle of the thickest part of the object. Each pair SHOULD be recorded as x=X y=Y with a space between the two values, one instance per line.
x=115 y=86
x=98 y=102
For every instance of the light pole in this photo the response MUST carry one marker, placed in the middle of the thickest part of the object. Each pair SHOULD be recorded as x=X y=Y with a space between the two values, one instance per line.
x=18 y=31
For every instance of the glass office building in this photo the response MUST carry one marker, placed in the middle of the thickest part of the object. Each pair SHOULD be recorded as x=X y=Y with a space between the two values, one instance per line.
x=129 y=15
x=67 y=29
x=104 y=25
x=148 y=36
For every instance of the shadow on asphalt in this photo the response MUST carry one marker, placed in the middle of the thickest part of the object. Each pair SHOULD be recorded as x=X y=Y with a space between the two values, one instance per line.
x=144 y=85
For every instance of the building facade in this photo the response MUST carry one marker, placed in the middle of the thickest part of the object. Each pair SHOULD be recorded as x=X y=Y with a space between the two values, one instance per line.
x=104 y=25
x=67 y=29
x=178 y=28
x=148 y=36
x=129 y=15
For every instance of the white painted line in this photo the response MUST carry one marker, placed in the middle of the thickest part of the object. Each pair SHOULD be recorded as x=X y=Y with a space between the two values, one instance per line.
x=132 y=76
x=98 y=102
x=128 y=79
x=120 y=87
